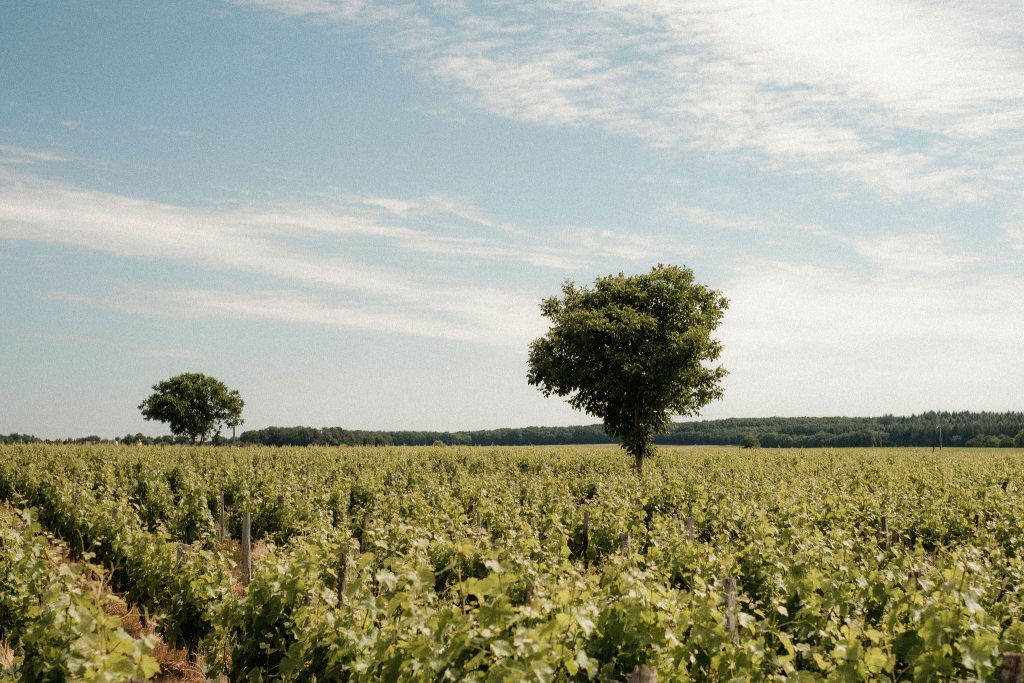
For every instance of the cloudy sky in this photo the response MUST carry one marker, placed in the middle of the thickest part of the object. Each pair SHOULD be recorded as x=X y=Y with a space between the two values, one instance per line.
x=350 y=210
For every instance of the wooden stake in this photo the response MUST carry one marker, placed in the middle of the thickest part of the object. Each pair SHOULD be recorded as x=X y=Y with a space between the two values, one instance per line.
x=364 y=542
x=624 y=542
x=644 y=674
x=885 y=533
x=691 y=529
x=1012 y=668
x=246 y=548
x=342 y=572
x=222 y=531
x=586 y=538
x=730 y=610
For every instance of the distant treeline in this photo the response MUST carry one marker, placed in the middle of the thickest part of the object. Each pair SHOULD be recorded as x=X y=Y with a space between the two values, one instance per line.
x=957 y=429
x=128 y=438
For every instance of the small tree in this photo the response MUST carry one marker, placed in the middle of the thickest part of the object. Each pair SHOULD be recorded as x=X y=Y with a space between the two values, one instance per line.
x=632 y=351
x=749 y=440
x=194 y=406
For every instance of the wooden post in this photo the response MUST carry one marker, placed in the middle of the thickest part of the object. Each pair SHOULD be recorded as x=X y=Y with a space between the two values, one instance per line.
x=624 y=542
x=342 y=571
x=181 y=553
x=586 y=538
x=222 y=530
x=643 y=674
x=730 y=610
x=528 y=593
x=884 y=542
x=691 y=531
x=280 y=500
x=364 y=542
x=246 y=548
x=1012 y=669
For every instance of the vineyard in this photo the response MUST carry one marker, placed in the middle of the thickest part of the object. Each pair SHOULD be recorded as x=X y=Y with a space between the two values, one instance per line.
x=512 y=564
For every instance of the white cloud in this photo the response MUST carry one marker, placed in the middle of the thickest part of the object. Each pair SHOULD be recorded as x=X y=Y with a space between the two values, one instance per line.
x=119 y=347
x=173 y=132
x=910 y=98
x=1015 y=231
x=810 y=340
x=10 y=154
x=719 y=220
x=629 y=246
x=298 y=245
x=915 y=253
x=246 y=241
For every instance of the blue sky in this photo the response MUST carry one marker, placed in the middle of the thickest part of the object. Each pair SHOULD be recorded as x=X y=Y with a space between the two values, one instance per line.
x=350 y=210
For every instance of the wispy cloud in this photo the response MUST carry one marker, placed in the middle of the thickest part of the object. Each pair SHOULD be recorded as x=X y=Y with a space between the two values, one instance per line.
x=20 y=155
x=719 y=220
x=914 y=254
x=304 y=308
x=247 y=241
x=298 y=247
x=164 y=130
x=915 y=98
x=804 y=339
x=120 y=347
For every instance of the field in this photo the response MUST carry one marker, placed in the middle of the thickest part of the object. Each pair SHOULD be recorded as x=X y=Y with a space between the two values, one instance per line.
x=511 y=564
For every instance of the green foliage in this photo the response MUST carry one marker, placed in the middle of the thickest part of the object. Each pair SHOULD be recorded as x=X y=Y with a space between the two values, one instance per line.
x=469 y=564
x=53 y=617
x=632 y=351
x=194 y=405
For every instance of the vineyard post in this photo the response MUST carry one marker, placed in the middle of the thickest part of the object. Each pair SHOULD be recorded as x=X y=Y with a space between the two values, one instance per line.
x=181 y=554
x=1012 y=668
x=730 y=610
x=222 y=530
x=690 y=529
x=624 y=542
x=644 y=674
x=280 y=500
x=342 y=571
x=586 y=538
x=885 y=533
x=364 y=543
x=246 y=548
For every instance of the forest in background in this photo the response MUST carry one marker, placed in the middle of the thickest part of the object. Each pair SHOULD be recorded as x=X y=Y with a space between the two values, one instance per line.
x=976 y=429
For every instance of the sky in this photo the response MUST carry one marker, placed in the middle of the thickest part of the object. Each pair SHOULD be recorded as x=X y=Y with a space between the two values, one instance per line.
x=350 y=210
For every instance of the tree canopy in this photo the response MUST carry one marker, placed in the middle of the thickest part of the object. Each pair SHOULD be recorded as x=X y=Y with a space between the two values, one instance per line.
x=632 y=351
x=194 y=405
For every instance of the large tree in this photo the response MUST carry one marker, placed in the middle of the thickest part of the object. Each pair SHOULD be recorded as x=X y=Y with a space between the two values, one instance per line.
x=194 y=405
x=633 y=351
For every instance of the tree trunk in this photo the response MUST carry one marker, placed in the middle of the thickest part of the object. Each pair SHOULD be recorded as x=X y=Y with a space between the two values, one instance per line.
x=638 y=464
